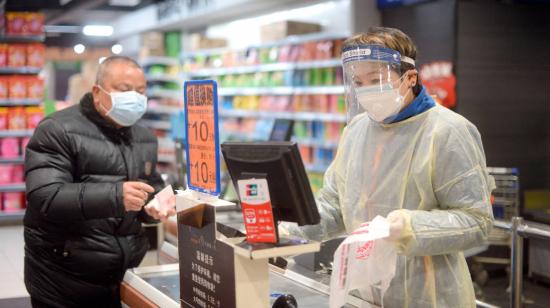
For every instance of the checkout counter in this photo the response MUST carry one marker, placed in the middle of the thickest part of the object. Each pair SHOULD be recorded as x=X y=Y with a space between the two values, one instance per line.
x=159 y=286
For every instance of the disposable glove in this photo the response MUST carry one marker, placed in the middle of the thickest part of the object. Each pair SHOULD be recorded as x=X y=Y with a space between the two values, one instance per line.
x=397 y=220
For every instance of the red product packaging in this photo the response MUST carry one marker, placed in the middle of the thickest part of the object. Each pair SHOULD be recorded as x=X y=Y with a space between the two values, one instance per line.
x=17 y=54
x=15 y=23
x=13 y=201
x=24 y=142
x=17 y=87
x=3 y=118
x=17 y=118
x=3 y=55
x=35 y=55
x=1 y=201
x=34 y=116
x=5 y=174
x=34 y=23
x=9 y=147
x=35 y=87
x=4 y=82
x=18 y=174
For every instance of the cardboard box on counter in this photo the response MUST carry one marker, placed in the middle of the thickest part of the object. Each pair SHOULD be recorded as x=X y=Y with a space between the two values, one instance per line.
x=280 y=30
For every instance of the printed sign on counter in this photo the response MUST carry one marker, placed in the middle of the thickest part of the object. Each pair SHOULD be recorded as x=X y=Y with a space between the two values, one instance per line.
x=202 y=137
x=257 y=212
x=207 y=273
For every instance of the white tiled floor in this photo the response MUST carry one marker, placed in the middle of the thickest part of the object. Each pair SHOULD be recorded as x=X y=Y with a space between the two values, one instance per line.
x=11 y=262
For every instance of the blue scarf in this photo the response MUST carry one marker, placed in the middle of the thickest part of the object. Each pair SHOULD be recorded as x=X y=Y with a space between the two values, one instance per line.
x=420 y=104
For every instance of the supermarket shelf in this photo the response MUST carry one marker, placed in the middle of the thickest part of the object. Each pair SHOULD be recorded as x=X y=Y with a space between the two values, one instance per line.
x=162 y=93
x=16 y=133
x=291 y=40
x=265 y=68
x=8 y=218
x=20 y=102
x=281 y=90
x=20 y=70
x=163 y=78
x=316 y=143
x=159 y=60
x=300 y=116
x=22 y=38
x=316 y=168
x=160 y=109
x=14 y=160
x=164 y=125
x=12 y=187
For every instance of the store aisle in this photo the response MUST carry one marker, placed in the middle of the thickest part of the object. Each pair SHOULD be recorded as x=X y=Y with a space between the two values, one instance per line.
x=11 y=262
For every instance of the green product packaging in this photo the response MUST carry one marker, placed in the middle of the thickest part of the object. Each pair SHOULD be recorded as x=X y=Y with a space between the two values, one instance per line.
x=172 y=43
x=328 y=76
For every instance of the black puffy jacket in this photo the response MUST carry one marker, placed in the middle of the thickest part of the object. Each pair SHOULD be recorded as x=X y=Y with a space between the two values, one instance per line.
x=79 y=240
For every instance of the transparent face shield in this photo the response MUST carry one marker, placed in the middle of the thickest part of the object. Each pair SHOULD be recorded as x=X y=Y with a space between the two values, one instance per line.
x=372 y=82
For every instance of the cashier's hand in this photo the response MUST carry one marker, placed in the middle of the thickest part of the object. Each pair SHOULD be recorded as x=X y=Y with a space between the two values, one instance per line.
x=152 y=209
x=397 y=222
x=135 y=194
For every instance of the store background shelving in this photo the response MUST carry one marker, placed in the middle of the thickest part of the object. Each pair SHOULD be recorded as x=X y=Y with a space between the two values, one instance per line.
x=165 y=100
x=21 y=96
x=298 y=78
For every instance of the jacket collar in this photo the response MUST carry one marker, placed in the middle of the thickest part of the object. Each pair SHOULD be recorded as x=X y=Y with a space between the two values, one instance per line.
x=116 y=135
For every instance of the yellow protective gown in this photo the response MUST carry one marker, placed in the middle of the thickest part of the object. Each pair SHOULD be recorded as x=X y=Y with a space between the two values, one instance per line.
x=432 y=168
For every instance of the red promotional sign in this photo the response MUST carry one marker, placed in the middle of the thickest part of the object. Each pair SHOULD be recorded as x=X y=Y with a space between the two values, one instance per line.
x=257 y=212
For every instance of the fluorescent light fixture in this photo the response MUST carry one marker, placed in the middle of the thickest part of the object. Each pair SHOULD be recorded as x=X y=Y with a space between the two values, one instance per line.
x=79 y=48
x=116 y=49
x=97 y=30
x=124 y=2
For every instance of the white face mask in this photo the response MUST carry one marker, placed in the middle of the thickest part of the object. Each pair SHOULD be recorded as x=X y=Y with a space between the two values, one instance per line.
x=126 y=107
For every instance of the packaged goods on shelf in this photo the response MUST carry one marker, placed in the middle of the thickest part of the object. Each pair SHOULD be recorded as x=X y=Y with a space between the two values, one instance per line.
x=152 y=44
x=17 y=87
x=24 y=23
x=280 y=30
x=320 y=50
x=35 y=55
x=17 y=55
x=35 y=87
x=9 y=147
x=4 y=55
x=13 y=201
x=3 y=118
x=199 y=41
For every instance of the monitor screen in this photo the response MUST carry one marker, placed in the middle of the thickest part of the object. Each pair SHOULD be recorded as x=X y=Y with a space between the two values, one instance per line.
x=281 y=165
x=282 y=130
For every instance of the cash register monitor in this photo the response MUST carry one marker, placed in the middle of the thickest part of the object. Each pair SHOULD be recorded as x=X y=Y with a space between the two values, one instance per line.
x=280 y=163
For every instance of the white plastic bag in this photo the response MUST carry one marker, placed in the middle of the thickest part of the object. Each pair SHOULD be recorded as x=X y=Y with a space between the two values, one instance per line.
x=364 y=261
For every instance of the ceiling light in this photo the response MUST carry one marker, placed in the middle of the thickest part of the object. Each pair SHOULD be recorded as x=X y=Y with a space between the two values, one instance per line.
x=97 y=30
x=116 y=49
x=124 y=2
x=79 y=48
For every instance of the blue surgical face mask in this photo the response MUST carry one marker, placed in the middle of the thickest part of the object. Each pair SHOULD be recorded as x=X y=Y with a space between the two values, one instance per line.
x=126 y=107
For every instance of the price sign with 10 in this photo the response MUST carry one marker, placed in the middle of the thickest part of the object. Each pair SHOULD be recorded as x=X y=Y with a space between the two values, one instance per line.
x=202 y=140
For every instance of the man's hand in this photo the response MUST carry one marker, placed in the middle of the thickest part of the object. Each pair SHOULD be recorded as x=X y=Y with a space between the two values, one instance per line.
x=135 y=194
x=152 y=209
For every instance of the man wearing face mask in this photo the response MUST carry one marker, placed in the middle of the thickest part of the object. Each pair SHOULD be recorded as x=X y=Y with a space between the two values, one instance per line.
x=416 y=163
x=89 y=172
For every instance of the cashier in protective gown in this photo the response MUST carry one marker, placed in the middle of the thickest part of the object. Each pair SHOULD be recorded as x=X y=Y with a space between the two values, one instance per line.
x=418 y=164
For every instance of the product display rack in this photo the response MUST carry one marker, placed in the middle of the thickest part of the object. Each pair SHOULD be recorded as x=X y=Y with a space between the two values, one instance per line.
x=15 y=216
x=165 y=100
x=292 y=70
